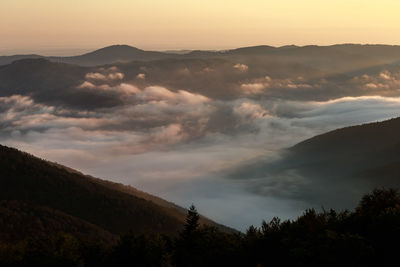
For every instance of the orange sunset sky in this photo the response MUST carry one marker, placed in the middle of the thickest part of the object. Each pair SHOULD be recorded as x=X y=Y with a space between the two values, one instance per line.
x=57 y=26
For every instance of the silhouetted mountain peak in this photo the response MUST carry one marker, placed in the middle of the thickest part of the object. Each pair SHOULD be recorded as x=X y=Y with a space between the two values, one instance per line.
x=115 y=50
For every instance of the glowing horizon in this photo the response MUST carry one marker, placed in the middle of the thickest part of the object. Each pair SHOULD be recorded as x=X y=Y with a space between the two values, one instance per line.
x=45 y=25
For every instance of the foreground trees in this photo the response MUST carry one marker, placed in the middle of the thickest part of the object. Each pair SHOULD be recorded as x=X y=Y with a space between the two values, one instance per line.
x=366 y=237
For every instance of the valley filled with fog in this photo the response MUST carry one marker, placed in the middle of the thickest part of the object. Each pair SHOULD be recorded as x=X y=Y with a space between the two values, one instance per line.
x=191 y=129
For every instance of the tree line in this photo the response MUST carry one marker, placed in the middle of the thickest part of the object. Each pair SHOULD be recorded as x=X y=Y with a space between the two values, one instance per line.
x=367 y=236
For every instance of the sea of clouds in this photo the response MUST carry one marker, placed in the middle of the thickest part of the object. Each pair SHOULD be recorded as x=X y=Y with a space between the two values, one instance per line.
x=182 y=145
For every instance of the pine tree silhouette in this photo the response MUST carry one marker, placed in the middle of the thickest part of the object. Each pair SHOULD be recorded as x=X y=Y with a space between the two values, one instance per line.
x=192 y=221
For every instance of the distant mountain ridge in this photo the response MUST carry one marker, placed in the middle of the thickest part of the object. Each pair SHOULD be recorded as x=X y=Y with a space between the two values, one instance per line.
x=126 y=53
x=323 y=72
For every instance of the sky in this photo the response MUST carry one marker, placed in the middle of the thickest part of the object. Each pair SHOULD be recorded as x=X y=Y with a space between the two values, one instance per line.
x=72 y=26
x=177 y=130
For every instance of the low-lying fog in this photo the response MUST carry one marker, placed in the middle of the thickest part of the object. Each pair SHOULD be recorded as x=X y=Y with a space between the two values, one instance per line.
x=182 y=145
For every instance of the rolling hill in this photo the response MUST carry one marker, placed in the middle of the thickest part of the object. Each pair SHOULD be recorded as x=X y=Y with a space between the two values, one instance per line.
x=352 y=160
x=359 y=157
x=332 y=170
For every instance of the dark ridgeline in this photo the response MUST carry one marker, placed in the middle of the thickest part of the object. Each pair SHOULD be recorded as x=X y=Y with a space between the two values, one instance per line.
x=37 y=182
x=112 y=206
x=41 y=202
x=351 y=160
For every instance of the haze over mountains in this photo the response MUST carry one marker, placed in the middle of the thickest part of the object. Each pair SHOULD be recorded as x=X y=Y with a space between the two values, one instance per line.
x=182 y=126
x=320 y=72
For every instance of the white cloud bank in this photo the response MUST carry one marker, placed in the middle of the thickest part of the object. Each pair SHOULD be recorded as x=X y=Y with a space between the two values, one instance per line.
x=178 y=144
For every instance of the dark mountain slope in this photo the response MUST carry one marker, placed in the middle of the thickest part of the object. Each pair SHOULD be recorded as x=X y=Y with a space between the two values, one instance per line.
x=37 y=182
x=349 y=161
x=333 y=169
x=176 y=211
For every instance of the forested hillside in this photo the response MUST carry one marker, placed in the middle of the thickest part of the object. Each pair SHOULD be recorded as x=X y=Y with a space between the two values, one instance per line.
x=113 y=207
x=364 y=237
